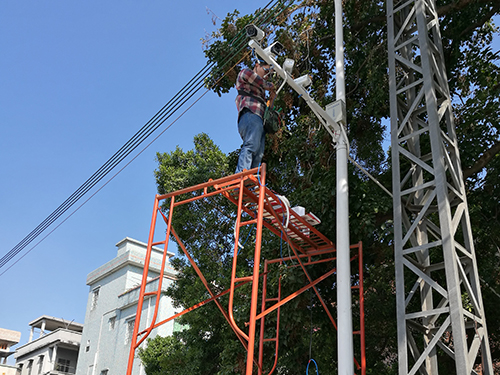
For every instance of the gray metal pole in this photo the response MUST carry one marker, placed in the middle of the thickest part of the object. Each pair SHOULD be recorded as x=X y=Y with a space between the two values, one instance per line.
x=344 y=310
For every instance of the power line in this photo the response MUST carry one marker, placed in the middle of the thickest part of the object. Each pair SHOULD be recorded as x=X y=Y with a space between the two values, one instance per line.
x=173 y=105
x=102 y=187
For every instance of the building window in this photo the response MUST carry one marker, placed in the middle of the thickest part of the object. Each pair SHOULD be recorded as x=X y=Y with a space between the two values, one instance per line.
x=129 y=330
x=112 y=322
x=104 y=372
x=87 y=347
x=62 y=365
x=95 y=298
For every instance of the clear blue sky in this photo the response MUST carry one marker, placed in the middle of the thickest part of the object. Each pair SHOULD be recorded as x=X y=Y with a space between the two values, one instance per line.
x=77 y=80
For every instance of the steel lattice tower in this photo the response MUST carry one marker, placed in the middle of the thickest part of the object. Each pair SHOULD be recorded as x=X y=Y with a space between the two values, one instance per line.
x=439 y=303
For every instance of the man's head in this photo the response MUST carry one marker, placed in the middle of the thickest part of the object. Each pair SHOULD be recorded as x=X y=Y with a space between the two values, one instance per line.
x=262 y=68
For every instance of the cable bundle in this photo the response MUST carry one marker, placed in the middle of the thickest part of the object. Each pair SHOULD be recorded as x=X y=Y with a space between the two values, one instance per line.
x=269 y=12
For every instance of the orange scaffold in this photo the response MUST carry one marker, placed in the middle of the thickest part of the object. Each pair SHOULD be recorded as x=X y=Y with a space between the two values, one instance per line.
x=259 y=205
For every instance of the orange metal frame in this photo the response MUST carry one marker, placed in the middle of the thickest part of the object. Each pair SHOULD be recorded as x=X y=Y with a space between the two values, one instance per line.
x=264 y=208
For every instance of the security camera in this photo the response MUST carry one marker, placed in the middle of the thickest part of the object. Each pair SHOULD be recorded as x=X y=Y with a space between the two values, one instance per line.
x=303 y=81
x=274 y=49
x=254 y=32
x=288 y=65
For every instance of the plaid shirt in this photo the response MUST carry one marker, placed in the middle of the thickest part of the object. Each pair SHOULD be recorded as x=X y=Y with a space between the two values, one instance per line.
x=254 y=84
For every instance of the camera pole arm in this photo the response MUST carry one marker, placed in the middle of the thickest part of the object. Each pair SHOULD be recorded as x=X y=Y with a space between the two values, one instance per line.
x=332 y=126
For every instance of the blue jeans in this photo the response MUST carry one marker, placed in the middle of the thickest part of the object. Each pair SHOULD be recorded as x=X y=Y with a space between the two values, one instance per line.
x=253 y=135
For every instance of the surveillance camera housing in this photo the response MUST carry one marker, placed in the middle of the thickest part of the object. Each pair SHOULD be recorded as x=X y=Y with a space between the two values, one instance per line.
x=288 y=65
x=304 y=81
x=274 y=49
x=254 y=32
x=277 y=48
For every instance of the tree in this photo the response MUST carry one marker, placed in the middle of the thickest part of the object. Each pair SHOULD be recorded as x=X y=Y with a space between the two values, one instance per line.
x=301 y=162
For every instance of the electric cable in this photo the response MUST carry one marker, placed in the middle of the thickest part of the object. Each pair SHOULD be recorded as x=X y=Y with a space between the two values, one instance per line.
x=124 y=151
x=127 y=148
x=107 y=182
x=158 y=119
x=311 y=326
x=103 y=171
x=308 y=363
x=285 y=202
x=310 y=340
x=186 y=93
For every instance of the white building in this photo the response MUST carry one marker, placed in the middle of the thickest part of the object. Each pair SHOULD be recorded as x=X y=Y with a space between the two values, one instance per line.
x=54 y=352
x=112 y=305
x=8 y=338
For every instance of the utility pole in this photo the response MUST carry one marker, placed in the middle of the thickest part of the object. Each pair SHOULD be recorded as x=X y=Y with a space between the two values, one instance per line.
x=333 y=119
x=344 y=304
x=438 y=295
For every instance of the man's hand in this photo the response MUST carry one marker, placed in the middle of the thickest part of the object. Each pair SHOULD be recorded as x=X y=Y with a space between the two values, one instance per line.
x=272 y=96
x=269 y=86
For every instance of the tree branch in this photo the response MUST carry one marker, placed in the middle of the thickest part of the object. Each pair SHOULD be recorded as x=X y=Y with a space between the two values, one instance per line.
x=459 y=5
x=481 y=22
x=483 y=161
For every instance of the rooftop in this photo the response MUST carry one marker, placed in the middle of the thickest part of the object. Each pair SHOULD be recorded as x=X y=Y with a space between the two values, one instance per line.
x=51 y=324
x=8 y=337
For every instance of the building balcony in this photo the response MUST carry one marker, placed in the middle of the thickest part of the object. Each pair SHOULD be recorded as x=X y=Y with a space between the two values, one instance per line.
x=62 y=337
